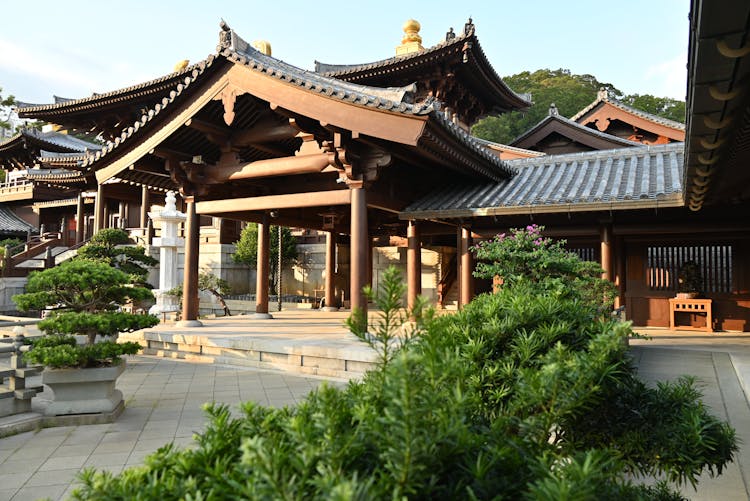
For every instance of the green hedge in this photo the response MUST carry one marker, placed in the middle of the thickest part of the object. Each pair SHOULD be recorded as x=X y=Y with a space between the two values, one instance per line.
x=525 y=394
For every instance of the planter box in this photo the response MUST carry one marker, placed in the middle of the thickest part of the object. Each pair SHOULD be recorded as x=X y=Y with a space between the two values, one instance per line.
x=81 y=391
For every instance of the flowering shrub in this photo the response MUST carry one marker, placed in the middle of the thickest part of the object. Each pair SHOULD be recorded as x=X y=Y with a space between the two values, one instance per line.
x=525 y=255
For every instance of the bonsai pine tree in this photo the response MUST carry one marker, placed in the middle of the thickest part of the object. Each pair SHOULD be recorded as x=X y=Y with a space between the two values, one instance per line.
x=111 y=246
x=85 y=296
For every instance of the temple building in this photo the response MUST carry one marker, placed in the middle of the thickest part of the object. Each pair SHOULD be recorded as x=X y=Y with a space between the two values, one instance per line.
x=379 y=154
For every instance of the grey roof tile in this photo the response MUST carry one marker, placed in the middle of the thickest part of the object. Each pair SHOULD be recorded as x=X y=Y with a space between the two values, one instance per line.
x=620 y=179
x=12 y=224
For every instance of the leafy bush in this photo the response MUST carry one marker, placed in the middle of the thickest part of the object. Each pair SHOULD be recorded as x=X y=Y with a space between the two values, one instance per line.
x=524 y=394
x=525 y=254
x=58 y=351
x=84 y=296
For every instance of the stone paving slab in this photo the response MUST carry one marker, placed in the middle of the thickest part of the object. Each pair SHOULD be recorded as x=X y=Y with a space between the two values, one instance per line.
x=43 y=463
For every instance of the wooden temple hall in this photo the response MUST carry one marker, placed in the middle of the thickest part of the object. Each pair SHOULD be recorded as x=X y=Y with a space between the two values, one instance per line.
x=380 y=154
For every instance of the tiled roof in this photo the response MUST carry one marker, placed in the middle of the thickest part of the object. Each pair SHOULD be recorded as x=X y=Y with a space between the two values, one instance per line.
x=569 y=123
x=12 y=224
x=638 y=177
x=603 y=97
x=115 y=95
x=342 y=70
x=197 y=70
x=55 y=175
x=52 y=140
x=393 y=100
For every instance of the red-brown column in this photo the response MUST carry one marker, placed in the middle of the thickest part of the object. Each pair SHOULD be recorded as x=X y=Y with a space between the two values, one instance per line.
x=80 y=217
x=360 y=245
x=99 y=205
x=467 y=267
x=190 y=282
x=413 y=264
x=606 y=252
x=620 y=267
x=330 y=270
x=261 y=280
x=145 y=205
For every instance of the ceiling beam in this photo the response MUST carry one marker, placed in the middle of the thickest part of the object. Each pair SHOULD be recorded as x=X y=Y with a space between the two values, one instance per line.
x=271 y=202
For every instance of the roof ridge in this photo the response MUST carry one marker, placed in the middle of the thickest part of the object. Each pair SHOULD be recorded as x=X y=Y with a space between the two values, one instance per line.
x=579 y=126
x=604 y=97
x=66 y=102
x=588 y=155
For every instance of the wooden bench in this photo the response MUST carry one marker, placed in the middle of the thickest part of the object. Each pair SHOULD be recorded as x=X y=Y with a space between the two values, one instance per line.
x=702 y=306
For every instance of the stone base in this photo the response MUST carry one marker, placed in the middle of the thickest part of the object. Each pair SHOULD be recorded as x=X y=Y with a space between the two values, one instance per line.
x=189 y=323
x=329 y=308
x=261 y=316
x=81 y=391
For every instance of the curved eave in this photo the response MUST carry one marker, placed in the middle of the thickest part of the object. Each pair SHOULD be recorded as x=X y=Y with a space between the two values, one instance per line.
x=486 y=80
x=155 y=86
x=718 y=128
x=584 y=115
x=461 y=151
x=571 y=130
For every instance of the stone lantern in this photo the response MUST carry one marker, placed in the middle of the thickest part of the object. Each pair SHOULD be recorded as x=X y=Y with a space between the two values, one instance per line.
x=169 y=220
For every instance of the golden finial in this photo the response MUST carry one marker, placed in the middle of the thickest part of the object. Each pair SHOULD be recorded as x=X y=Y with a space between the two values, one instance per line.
x=262 y=46
x=412 y=41
x=181 y=65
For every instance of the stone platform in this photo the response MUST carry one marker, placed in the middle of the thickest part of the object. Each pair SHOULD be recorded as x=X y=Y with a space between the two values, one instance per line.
x=300 y=341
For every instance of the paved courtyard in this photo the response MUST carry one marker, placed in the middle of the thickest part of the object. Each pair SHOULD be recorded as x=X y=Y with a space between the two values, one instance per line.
x=163 y=403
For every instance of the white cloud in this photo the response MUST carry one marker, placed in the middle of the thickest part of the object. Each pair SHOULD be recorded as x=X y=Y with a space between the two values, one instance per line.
x=668 y=78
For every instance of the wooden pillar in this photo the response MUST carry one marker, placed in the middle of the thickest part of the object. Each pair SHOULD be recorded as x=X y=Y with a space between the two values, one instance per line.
x=607 y=262
x=620 y=275
x=99 y=213
x=413 y=264
x=190 y=282
x=145 y=205
x=360 y=245
x=80 y=220
x=64 y=230
x=330 y=300
x=261 y=279
x=467 y=267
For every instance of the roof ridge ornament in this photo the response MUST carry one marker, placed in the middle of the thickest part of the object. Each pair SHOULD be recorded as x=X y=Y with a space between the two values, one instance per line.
x=603 y=94
x=553 y=110
x=469 y=27
x=450 y=35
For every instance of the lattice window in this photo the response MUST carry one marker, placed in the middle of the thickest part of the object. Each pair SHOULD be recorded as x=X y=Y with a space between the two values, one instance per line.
x=715 y=262
x=585 y=253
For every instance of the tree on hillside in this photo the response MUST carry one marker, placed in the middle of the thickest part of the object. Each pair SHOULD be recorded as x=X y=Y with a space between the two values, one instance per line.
x=665 y=107
x=247 y=249
x=570 y=93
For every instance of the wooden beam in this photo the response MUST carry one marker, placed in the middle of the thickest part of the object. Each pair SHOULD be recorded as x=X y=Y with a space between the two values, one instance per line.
x=158 y=135
x=286 y=166
x=270 y=202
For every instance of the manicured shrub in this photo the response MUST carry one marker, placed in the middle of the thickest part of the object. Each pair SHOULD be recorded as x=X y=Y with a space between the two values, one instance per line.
x=84 y=297
x=524 y=394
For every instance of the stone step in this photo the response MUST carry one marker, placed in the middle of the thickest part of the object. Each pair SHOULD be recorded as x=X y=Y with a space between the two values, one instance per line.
x=28 y=371
x=28 y=393
x=6 y=394
x=5 y=372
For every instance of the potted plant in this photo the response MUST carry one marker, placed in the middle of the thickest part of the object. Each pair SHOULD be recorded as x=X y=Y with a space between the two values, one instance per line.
x=83 y=298
x=689 y=281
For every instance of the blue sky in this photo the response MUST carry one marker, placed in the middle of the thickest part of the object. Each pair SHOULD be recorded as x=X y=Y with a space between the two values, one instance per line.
x=75 y=47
